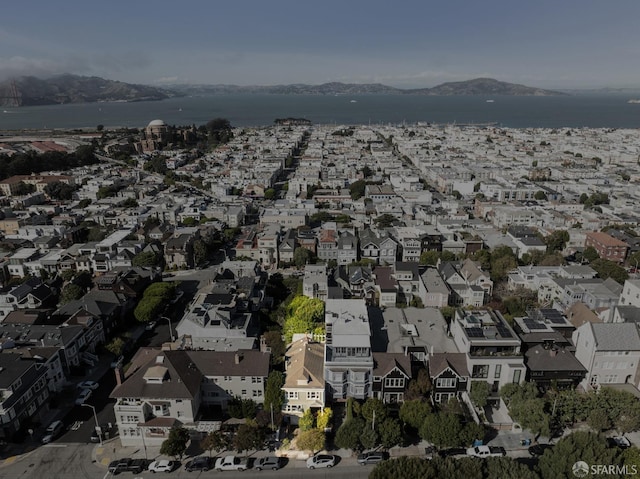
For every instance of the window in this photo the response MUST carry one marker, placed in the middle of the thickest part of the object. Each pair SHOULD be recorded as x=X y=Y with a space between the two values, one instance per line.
x=313 y=395
x=257 y=393
x=292 y=394
x=516 y=376
x=498 y=371
x=480 y=371
x=446 y=382
x=243 y=378
x=244 y=392
x=394 y=382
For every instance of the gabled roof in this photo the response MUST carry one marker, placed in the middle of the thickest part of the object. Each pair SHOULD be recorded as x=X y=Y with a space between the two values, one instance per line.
x=182 y=379
x=384 y=363
x=305 y=365
x=456 y=362
x=616 y=336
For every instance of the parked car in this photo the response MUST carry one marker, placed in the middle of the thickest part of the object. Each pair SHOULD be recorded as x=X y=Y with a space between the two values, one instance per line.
x=88 y=385
x=151 y=325
x=53 y=431
x=162 y=465
x=84 y=395
x=230 y=463
x=321 y=460
x=271 y=462
x=619 y=441
x=538 y=449
x=127 y=464
x=372 y=457
x=200 y=463
x=486 y=451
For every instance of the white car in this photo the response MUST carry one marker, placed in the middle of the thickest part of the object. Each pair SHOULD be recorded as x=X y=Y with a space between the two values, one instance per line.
x=54 y=429
x=151 y=325
x=88 y=385
x=230 y=463
x=162 y=465
x=84 y=395
x=321 y=460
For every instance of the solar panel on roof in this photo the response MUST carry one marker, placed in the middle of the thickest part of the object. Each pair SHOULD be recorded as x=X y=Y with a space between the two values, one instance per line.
x=474 y=332
x=504 y=331
x=532 y=324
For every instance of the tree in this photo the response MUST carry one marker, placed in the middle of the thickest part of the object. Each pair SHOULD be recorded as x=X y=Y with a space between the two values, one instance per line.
x=199 y=251
x=115 y=346
x=540 y=195
x=599 y=420
x=59 y=190
x=369 y=437
x=301 y=256
x=406 y=468
x=311 y=440
x=385 y=221
x=479 y=393
x=429 y=257
x=248 y=437
x=323 y=419
x=307 y=421
x=579 y=446
x=67 y=274
x=273 y=393
x=390 y=432
x=148 y=308
x=348 y=434
x=242 y=408
x=215 y=441
x=609 y=269
x=302 y=314
x=269 y=194
x=274 y=341
x=23 y=188
x=557 y=241
x=414 y=411
x=442 y=430
x=590 y=254
x=71 y=292
x=176 y=444
x=356 y=189
x=502 y=264
x=373 y=409
x=146 y=259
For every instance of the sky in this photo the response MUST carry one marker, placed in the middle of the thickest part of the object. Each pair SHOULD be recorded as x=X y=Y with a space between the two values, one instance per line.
x=562 y=44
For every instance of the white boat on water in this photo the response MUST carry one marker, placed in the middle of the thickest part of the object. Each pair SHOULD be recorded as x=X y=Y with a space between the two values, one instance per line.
x=490 y=101
x=634 y=100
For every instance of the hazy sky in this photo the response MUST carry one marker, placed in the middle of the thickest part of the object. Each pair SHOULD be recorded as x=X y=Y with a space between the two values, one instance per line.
x=421 y=43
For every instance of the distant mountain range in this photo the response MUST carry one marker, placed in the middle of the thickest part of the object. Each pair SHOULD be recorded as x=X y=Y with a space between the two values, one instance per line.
x=478 y=86
x=29 y=91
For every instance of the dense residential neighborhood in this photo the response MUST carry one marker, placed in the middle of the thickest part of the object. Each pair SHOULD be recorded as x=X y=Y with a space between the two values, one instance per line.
x=355 y=288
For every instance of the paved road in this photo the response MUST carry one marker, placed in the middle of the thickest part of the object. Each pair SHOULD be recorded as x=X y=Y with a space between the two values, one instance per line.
x=73 y=461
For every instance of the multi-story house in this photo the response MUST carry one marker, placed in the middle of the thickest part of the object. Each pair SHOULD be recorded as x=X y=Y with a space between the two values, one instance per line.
x=630 y=295
x=348 y=359
x=23 y=395
x=607 y=246
x=391 y=375
x=315 y=283
x=32 y=294
x=449 y=376
x=379 y=247
x=304 y=386
x=231 y=375
x=178 y=250
x=328 y=245
x=436 y=291
x=347 y=248
x=610 y=352
x=287 y=247
x=491 y=345
x=163 y=389
x=463 y=293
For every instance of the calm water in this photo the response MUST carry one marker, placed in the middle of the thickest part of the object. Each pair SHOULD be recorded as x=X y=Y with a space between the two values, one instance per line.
x=260 y=110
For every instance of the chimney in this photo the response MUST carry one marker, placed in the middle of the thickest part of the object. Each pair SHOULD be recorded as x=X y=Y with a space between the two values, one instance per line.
x=119 y=375
x=238 y=358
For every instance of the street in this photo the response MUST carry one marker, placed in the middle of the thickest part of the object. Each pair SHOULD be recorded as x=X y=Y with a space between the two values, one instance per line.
x=73 y=461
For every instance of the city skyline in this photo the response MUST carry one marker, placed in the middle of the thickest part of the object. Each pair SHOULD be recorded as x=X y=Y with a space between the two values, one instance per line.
x=409 y=44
